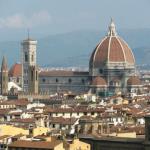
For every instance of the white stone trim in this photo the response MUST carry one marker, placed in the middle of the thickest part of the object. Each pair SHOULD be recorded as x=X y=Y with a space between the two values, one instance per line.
x=109 y=49
x=122 y=48
x=129 y=48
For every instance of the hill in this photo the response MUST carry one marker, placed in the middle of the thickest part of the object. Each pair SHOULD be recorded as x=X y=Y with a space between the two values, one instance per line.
x=75 y=48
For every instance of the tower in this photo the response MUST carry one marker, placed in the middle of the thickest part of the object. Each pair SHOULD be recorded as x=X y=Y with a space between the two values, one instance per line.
x=4 y=77
x=33 y=79
x=28 y=61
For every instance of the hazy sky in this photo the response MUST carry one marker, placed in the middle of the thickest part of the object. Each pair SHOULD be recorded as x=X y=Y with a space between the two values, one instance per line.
x=45 y=17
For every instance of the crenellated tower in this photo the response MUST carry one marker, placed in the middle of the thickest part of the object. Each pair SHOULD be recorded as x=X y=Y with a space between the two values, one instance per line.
x=33 y=79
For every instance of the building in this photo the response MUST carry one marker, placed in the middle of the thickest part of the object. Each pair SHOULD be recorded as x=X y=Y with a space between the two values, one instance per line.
x=111 y=70
x=36 y=145
x=63 y=81
x=15 y=74
x=113 y=143
x=112 y=62
x=29 y=67
x=49 y=145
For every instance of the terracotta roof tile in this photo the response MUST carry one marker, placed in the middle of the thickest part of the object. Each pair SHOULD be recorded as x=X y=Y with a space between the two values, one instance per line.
x=34 y=144
x=134 y=80
x=62 y=73
x=15 y=70
x=110 y=50
x=61 y=120
x=99 y=81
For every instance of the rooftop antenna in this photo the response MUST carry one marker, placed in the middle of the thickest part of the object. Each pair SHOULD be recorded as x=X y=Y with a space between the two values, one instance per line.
x=28 y=30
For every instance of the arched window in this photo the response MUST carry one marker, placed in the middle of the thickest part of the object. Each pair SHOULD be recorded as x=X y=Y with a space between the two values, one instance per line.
x=101 y=71
x=36 y=75
x=26 y=57
x=32 y=58
x=69 y=80
x=57 y=80
x=32 y=75
x=43 y=80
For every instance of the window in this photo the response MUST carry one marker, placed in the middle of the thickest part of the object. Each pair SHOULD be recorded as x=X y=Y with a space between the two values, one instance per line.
x=69 y=80
x=53 y=125
x=26 y=57
x=32 y=75
x=92 y=113
x=57 y=80
x=32 y=57
x=101 y=71
x=43 y=80
x=83 y=81
x=85 y=113
x=36 y=75
x=17 y=79
x=24 y=71
x=30 y=131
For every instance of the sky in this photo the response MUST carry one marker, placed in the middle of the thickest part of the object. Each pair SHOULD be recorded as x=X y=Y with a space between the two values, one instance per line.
x=45 y=17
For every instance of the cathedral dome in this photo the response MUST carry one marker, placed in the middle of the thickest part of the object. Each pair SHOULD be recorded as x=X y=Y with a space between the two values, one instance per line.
x=133 y=80
x=99 y=81
x=111 y=50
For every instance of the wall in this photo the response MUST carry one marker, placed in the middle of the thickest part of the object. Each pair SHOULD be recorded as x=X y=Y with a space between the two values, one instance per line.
x=113 y=144
x=11 y=130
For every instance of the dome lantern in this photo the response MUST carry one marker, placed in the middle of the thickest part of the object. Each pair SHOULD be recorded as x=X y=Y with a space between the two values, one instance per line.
x=112 y=29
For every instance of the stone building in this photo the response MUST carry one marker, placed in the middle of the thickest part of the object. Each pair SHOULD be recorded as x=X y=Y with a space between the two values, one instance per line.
x=113 y=61
x=115 y=143
x=63 y=80
x=29 y=66
x=111 y=70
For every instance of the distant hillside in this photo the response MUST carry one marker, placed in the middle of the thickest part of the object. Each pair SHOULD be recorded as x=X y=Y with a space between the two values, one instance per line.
x=75 y=48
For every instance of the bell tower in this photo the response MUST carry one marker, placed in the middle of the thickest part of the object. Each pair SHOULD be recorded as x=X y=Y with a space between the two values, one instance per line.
x=4 y=77
x=28 y=60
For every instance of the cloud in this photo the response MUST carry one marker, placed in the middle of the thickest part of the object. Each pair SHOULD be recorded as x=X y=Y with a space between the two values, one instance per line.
x=21 y=21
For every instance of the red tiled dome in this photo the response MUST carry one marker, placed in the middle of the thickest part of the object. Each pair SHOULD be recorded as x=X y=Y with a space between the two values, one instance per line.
x=112 y=49
x=99 y=81
x=134 y=80
x=15 y=70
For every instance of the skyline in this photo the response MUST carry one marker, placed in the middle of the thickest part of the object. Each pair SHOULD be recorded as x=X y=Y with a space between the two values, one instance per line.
x=56 y=17
x=75 y=74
